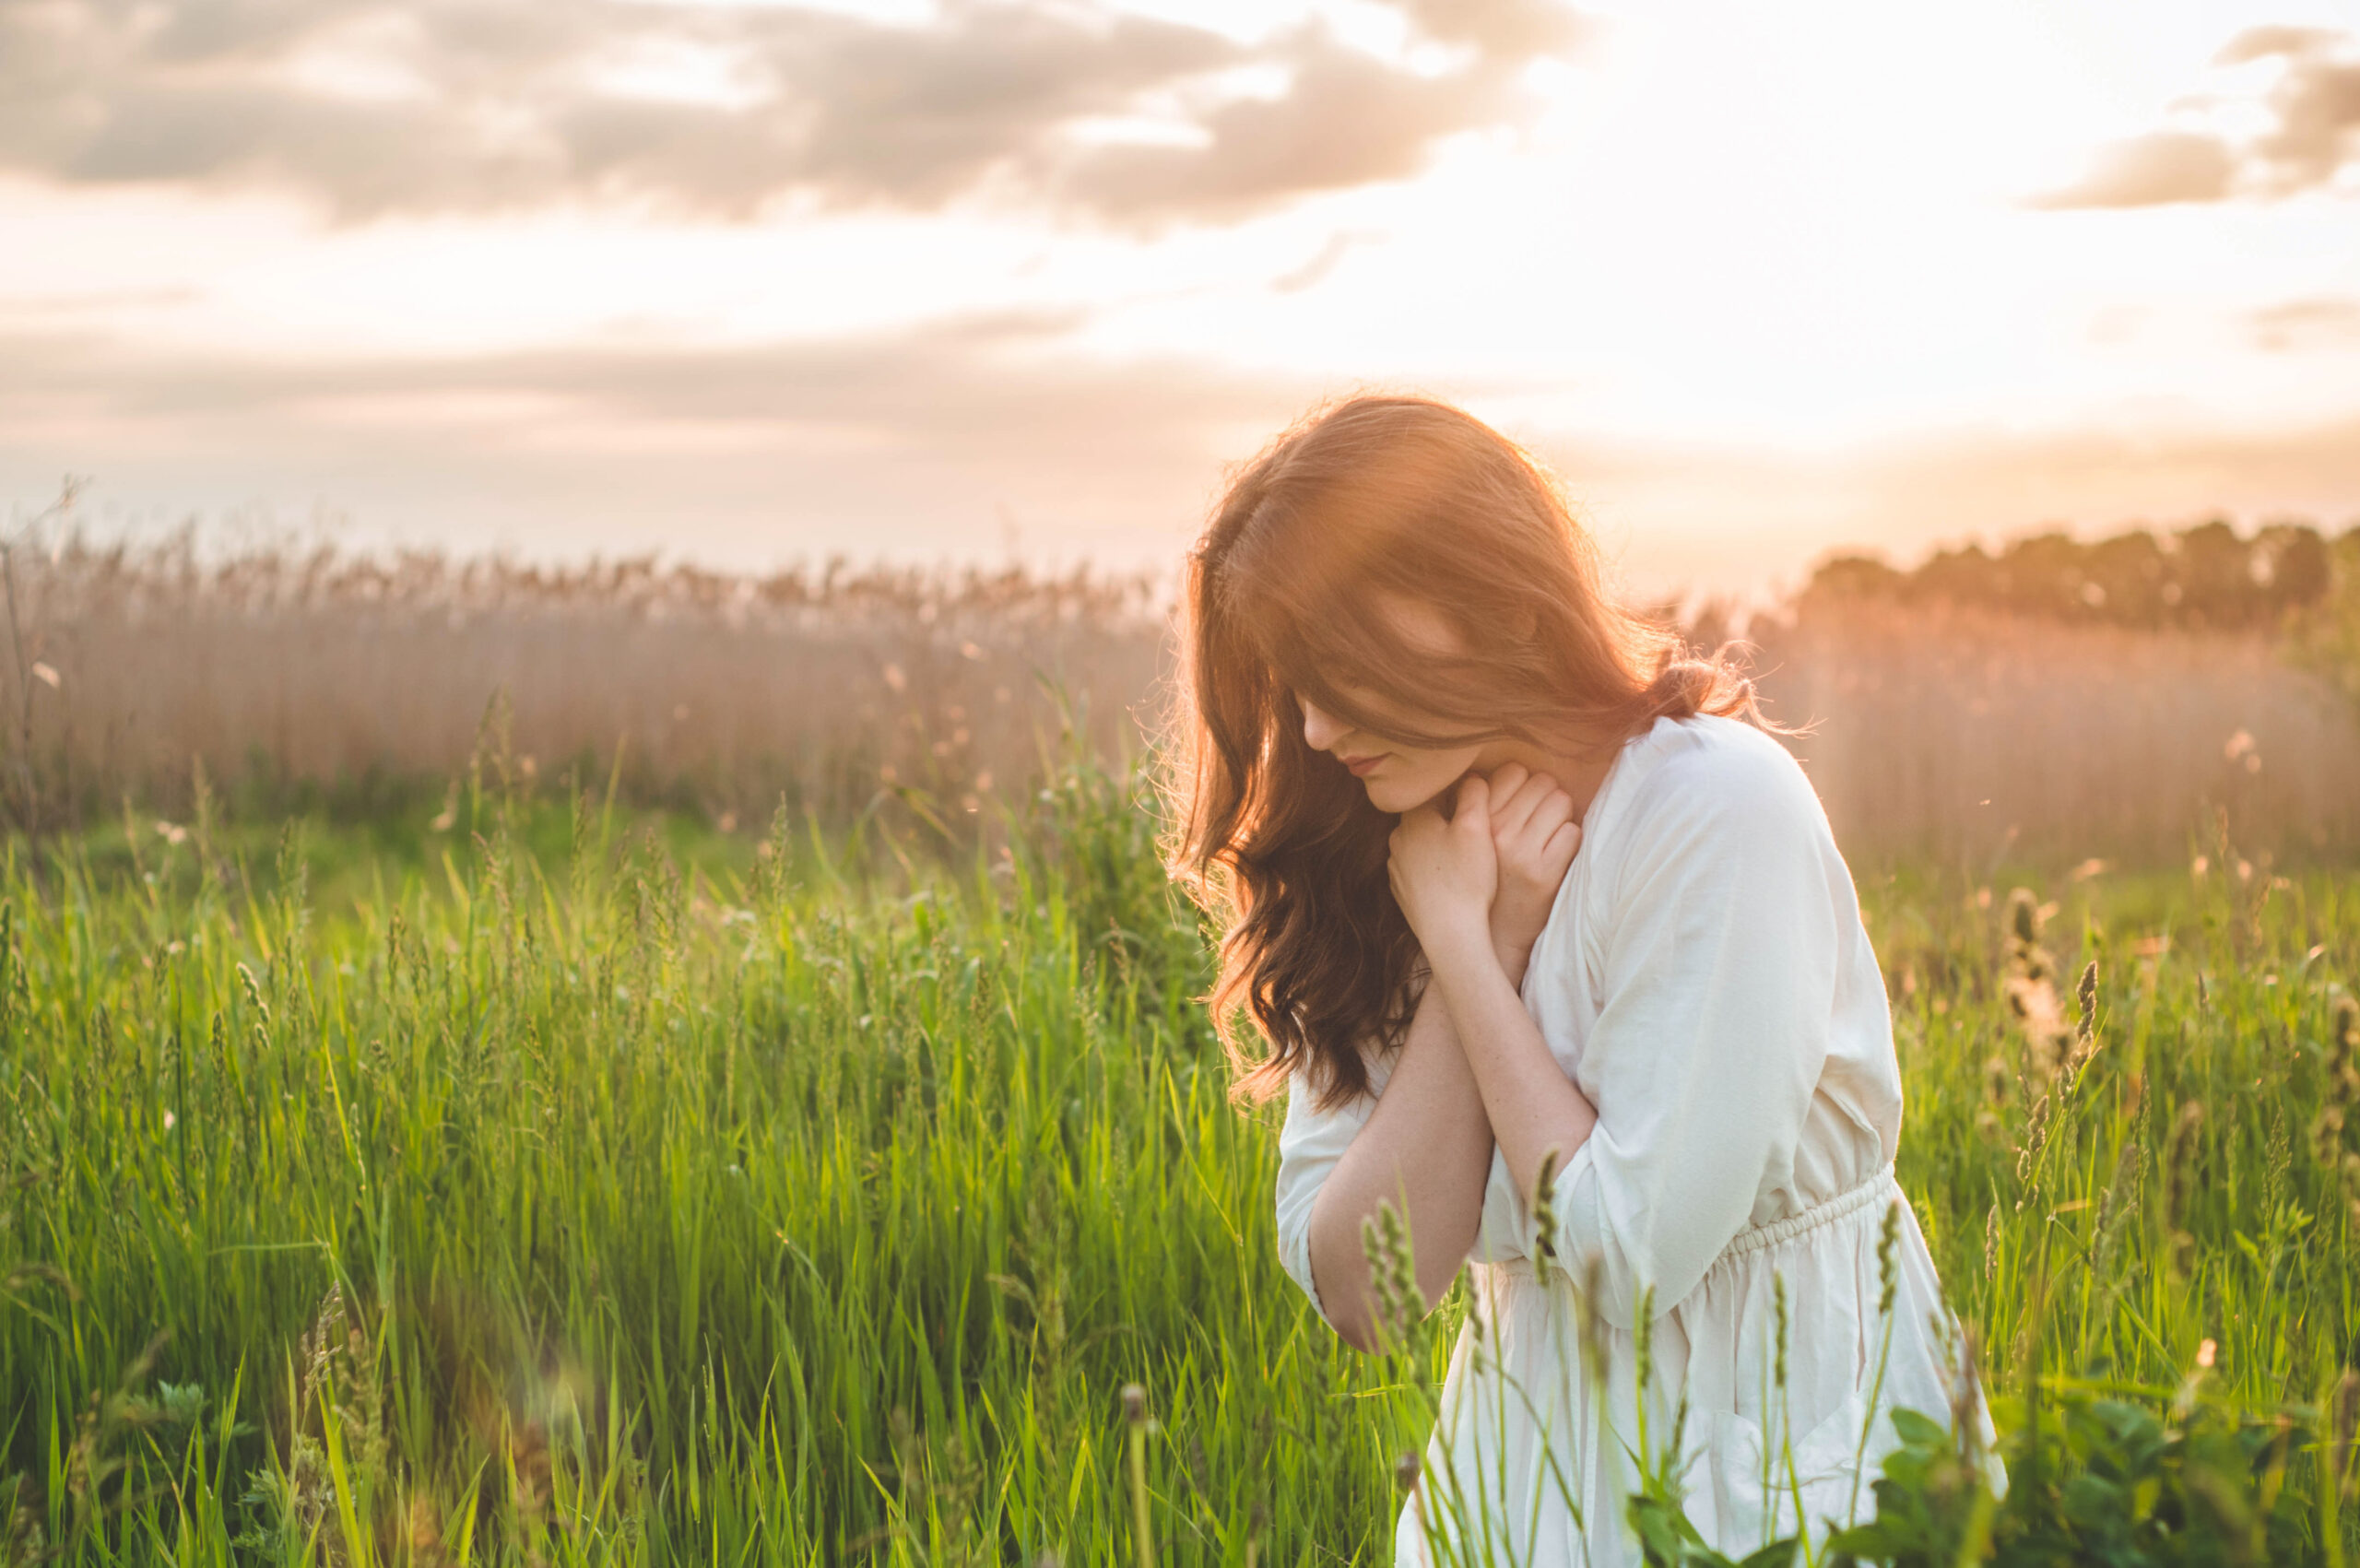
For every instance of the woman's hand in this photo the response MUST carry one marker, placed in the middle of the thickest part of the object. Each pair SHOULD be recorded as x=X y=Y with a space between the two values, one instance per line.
x=1449 y=878
x=1534 y=837
x=1445 y=874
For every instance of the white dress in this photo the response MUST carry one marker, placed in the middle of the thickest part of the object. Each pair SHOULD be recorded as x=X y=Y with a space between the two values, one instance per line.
x=1705 y=978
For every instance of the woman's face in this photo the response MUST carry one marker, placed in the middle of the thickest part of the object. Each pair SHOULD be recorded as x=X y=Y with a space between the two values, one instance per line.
x=1398 y=777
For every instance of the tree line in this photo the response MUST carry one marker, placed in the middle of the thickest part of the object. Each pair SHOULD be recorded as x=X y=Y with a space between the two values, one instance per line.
x=2207 y=577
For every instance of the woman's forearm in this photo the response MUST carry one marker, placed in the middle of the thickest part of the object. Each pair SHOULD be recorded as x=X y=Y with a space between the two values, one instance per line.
x=1529 y=1104
x=1426 y=1149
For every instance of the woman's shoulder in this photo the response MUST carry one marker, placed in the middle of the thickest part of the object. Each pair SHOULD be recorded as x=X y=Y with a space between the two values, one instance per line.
x=1709 y=763
x=1705 y=780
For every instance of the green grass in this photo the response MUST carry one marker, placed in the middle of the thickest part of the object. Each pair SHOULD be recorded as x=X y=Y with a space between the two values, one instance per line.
x=560 y=1188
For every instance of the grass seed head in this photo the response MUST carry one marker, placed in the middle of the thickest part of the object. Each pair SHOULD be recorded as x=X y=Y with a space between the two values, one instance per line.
x=254 y=991
x=2029 y=986
x=2024 y=916
x=1544 y=1209
x=1644 y=1333
x=1590 y=1323
x=2327 y=1137
x=2343 y=1056
x=1888 y=1272
x=1385 y=1242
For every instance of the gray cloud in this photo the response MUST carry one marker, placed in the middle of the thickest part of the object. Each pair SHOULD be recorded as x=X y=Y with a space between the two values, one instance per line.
x=1348 y=120
x=2314 y=110
x=467 y=105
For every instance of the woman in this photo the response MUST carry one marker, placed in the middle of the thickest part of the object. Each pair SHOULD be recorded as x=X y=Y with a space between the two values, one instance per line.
x=1523 y=902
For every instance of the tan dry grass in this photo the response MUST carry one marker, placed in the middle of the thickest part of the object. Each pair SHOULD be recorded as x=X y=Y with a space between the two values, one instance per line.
x=724 y=690
x=1947 y=731
x=1967 y=733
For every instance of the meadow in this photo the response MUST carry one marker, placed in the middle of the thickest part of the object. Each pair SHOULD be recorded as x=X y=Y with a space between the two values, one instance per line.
x=634 y=1064
x=549 y=1182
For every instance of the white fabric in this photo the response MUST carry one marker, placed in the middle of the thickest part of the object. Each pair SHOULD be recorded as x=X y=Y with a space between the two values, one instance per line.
x=1705 y=977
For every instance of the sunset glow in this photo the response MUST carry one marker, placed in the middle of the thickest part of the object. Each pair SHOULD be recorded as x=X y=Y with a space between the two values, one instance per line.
x=753 y=283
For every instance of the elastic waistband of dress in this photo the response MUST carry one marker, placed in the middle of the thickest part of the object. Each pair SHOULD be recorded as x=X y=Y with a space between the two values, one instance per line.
x=1849 y=1201
x=1879 y=1187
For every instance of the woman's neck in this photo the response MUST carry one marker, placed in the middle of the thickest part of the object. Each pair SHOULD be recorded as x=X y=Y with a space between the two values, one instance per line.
x=1578 y=772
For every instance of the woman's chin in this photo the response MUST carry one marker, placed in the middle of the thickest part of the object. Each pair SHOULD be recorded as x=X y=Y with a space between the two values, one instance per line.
x=1397 y=795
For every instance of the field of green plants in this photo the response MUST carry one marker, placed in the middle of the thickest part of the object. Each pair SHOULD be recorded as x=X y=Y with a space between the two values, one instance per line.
x=565 y=1186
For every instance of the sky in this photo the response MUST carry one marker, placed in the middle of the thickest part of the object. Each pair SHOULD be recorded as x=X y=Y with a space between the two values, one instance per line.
x=754 y=283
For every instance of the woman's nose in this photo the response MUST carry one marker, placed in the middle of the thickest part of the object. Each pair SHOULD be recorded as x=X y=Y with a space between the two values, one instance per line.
x=1320 y=730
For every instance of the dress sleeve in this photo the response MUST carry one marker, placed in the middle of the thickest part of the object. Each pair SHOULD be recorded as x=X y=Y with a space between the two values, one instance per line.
x=1718 y=981
x=1310 y=1142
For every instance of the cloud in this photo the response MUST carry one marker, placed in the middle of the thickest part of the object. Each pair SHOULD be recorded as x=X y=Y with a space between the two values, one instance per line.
x=881 y=386
x=909 y=441
x=2316 y=100
x=2306 y=323
x=2150 y=171
x=1347 y=119
x=2312 y=111
x=1316 y=269
x=711 y=109
x=1508 y=29
x=912 y=444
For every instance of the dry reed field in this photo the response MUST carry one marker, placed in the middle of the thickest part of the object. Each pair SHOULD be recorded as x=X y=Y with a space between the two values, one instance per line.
x=1969 y=733
x=716 y=693
x=1964 y=733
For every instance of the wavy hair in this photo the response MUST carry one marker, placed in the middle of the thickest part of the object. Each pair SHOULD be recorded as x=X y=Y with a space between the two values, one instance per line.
x=1376 y=497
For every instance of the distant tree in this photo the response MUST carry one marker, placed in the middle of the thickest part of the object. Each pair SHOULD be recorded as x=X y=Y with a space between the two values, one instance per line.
x=2204 y=577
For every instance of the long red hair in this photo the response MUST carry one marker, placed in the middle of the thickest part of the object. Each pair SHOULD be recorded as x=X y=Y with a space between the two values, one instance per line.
x=1404 y=498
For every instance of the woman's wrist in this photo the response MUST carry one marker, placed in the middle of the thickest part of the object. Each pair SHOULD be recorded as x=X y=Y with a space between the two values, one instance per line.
x=1462 y=953
x=1473 y=978
x=1513 y=955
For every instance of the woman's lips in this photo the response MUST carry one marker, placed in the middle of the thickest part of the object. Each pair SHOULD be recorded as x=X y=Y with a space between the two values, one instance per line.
x=1363 y=766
